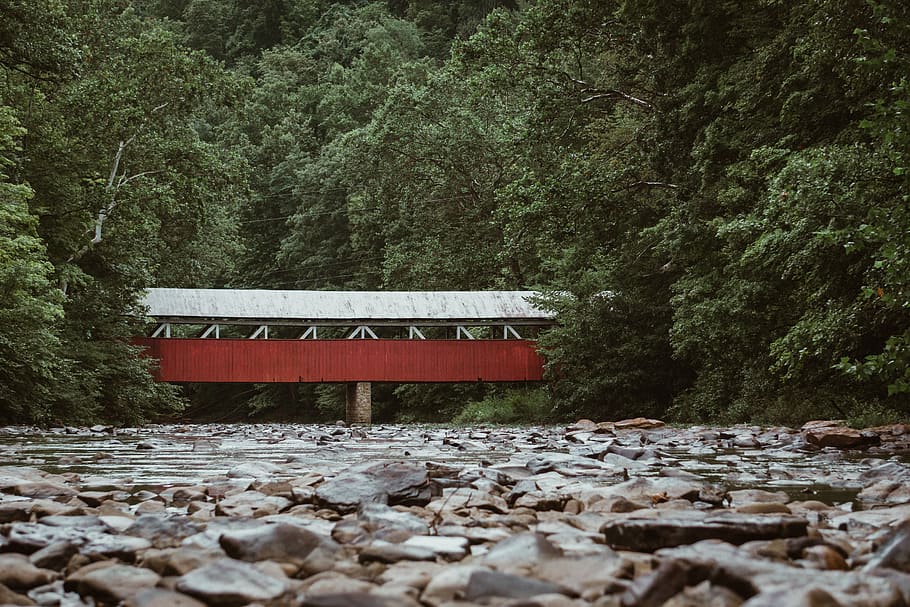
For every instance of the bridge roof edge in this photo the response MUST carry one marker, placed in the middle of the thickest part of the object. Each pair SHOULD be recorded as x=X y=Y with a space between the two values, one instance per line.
x=344 y=306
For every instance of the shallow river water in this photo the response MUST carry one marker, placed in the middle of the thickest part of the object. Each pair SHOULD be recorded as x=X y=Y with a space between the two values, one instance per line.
x=167 y=455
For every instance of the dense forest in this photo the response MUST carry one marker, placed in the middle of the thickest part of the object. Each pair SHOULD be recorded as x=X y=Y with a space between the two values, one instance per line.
x=713 y=196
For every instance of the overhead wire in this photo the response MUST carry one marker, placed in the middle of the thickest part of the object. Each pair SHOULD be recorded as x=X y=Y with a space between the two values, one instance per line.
x=344 y=210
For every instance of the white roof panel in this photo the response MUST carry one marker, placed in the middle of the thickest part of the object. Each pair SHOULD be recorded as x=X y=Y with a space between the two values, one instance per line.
x=343 y=306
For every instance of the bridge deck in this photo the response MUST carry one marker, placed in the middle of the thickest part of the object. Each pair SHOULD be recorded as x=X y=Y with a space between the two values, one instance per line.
x=347 y=360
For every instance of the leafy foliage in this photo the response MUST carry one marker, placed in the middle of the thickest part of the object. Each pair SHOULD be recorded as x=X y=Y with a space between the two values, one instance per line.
x=714 y=197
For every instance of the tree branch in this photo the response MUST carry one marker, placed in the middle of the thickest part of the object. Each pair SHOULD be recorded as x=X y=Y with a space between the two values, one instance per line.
x=647 y=184
x=113 y=184
x=613 y=93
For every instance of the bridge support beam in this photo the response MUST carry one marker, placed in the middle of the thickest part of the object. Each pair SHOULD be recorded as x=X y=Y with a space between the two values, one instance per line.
x=359 y=403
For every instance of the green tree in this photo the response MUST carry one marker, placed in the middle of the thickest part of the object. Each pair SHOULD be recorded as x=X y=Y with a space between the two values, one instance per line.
x=30 y=304
x=128 y=194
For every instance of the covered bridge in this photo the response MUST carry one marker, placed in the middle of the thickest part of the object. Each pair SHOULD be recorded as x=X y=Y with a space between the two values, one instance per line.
x=352 y=337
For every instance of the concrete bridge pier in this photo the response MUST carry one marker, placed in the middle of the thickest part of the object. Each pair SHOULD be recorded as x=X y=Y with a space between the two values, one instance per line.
x=359 y=403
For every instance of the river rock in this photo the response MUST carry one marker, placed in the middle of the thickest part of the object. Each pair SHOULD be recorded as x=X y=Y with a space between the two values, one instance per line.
x=483 y=584
x=159 y=597
x=114 y=583
x=83 y=522
x=386 y=482
x=94 y=498
x=638 y=423
x=839 y=436
x=646 y=491
x=665 y=582
x=587 y=576
x=162 y=531
x=251 y=504
x=356 y=599
x=410 y=574
x=382 y=517
x=763 y=581
x=10 y=597
x=257 y=470
x=705 y=594
x=467 y=498
x=764 y=508
x=43 y=489
x=521 y=549
x=885 y=492
x=448 y=584
x=54 y=556
x=894 y=552
x=178 y=561
x=449 y=548
x=753 y=496
x=123 y=547
x=18 y=573
x=649 y=534
x=282 y=542
x=181 y=496
x=384 y=552
x=582 y=425
x=13 y=511
x=230 y=583
x=891 y=471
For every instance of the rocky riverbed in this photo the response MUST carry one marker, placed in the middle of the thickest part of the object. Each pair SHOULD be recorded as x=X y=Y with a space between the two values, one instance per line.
x=606 y=514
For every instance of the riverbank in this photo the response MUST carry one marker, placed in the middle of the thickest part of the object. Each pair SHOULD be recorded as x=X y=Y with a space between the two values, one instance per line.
x=628 y=513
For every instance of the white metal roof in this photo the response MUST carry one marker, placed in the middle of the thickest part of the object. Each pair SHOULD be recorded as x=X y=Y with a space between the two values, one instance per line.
x=344 y=307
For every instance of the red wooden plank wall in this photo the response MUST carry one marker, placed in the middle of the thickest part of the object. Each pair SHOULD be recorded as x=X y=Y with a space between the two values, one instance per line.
x=346 y=360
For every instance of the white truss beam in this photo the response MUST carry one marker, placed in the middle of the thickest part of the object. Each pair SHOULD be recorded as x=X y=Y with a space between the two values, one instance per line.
x=262 y=330
x=165 y=328
x=362 y=332
x=462 y=331
x=507 y=331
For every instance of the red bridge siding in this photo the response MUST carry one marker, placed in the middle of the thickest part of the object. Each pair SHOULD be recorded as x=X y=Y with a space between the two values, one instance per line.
x=347 y=360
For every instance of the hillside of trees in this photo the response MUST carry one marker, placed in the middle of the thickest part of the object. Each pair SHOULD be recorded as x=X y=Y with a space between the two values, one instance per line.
x=715 y=196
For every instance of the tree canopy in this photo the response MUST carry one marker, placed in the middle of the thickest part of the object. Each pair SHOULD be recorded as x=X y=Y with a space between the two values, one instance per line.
x=714 y=197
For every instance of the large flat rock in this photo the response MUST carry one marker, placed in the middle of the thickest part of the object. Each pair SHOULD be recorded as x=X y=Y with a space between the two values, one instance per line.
x=649 y=534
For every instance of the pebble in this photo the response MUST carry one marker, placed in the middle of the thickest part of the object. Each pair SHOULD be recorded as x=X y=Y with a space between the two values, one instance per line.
x=606 y=514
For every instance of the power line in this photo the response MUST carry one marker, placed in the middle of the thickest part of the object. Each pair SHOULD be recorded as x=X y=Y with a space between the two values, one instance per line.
x=321 y=278
x=345 y=210
x=273 y=271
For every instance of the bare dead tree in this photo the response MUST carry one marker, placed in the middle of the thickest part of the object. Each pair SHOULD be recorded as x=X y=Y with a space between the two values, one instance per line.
x=114 y=183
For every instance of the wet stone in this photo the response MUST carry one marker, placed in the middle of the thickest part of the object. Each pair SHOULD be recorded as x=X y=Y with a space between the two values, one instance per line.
x=450 y=548
x=230 y=583
x=504 y=517
x=54 y=556
x=483 y=584
x=380 y=516
x=15 y=511
x=649 y=534
x=18 y=573
x=178 y=561
x=162 y=531
x=356 y=599
x=388 y=482
x=894 y=552
x=251 y=504
x=158 y=597
x=522 y=548
x=114 y=583
x=839 y=436
x=384 y=552
x=11 y=597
